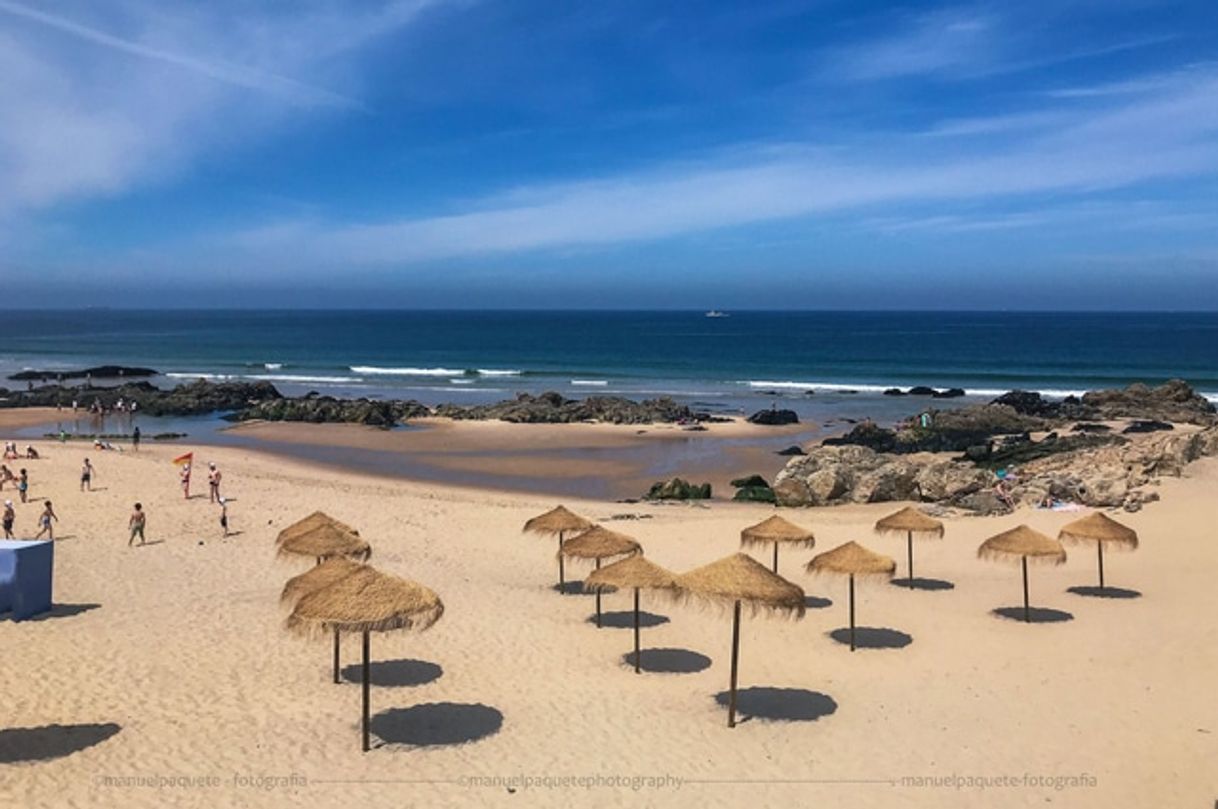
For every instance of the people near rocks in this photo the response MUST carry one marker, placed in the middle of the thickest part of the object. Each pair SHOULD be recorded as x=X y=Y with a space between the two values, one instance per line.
x=213 y=482
x=46 y=522
x=136 y=524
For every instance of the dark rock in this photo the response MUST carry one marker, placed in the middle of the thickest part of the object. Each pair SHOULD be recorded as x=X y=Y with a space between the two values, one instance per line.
x=895 y=392
x=1146 y=426
x=1173 y=401
x=791 y=450
x=100 y=371
x=756 y=494
x=678 y=489
x=329 y=410
x=921 y=390
x=751 y=480
x=1028 y=403
x=867 y=434
x=774 y=417
x=1091 y=427
x=553 y=408
x=949 y=393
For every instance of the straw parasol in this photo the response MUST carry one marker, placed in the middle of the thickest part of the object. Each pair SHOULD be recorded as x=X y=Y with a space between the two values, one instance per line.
x=1101 y=529
x=735 y=580
x=315 y=520
x=325 y=542
x=599 y=543
x=910 y=521
x=776 y=530
x=317 y=578
x=852 y=559
x=635 y=572
x=366 y=601
x=1023 y=543
x=557 y=522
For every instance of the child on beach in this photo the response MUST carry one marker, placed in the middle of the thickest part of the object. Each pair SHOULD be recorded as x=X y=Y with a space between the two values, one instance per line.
x=23 y=486
x=86 y=476
x=44 y=522
x=6 y=476
x=136 y=524
x=9 y=516
x=223 y=517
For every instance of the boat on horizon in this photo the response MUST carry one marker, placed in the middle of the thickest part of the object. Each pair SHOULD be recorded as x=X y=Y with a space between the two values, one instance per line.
x=717 y=313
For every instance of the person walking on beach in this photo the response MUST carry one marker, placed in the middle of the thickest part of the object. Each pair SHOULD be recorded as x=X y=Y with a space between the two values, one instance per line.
x=136 y=524
x=223 y=517
x=23 y=486
x=213 y=482
x=45 y=522
x=7 y=519
x=86 y=476
x=6 y=476
x=135 y=439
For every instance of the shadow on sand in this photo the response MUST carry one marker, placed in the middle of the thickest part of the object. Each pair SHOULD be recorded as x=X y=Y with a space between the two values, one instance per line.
x=1036 y=615
x=780 y=704
x=394 y=673
x=51 y=741
x=669 y=661
x=922 y=584
x=436 y=723
x=625 y=619
x=872 y=637
x=56 y=611
x=817 y=603
x=571 y=588
x=1092 y=591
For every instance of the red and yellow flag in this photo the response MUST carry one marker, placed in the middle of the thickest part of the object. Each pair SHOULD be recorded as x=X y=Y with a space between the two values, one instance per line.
x=182 y=460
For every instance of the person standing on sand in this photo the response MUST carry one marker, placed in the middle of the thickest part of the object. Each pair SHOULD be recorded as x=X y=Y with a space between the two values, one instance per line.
x=223 y=517
x=136 y=524
x=23 y=486
x=213 y=482
x=185 y=475
x=44 y=523
x=9 y=516
x=6 y=476
x=86 y=476
x=135 y=439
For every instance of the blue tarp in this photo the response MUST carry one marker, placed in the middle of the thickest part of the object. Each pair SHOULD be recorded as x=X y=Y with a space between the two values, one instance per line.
x=25 y=577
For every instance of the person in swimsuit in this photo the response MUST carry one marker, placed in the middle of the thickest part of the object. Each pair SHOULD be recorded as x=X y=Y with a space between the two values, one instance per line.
x=9 y=516
x=6 y=476
x=23 y=486
x=86 y=476
x=185 y=476
x=136 y=524
x=223 y=517
x=45 y=522
x=213 y=481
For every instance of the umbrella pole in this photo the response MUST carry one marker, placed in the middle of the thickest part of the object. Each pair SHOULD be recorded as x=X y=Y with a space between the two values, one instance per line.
x=909 y=555
x=775 y=558
x=852 y=612
x=1099 y=546
x=1027 y=618
x=336 y=680
x=636 y=631
x=731 y=705
x=598 y=600
x=367 y=684
x=562 y=585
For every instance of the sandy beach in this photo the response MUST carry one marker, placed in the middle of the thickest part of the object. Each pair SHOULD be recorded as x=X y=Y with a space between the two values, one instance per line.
x=175 y=654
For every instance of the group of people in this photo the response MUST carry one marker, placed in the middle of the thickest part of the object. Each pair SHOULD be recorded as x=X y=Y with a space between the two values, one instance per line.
x=21 y=480
x=11 y=453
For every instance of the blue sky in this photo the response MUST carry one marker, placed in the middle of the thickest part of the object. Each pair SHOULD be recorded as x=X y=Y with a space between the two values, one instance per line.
x=1051 y=154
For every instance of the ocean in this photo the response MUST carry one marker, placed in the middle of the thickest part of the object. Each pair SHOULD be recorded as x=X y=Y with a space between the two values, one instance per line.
x=814 y=362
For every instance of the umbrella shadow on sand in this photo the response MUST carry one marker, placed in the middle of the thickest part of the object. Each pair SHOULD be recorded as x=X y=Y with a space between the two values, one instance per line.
x=780 y=704
x=434 y=724
x=817 y=603
x=625 y=619
x=920 y=583
x=51 y=741
x=394 y=673
x=1091 y=591
x=872 y=637
x=669 y=661
x=57 y=611
x=1036 y=615
x=571 y=588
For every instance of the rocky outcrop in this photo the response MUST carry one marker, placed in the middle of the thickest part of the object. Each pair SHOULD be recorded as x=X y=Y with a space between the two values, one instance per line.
x=553 y=408
x=947 y=430
x=1173 y=401
x=678 y=489
x=774 y=417
x=190 y=399
x=327 y=409
x=100 y=372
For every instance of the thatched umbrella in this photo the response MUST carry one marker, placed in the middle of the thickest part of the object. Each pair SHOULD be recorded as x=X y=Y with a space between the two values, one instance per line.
x=317 y=578
x=852 y=559
x=599 y=543
x=366 y=601
x=635 y=572
x=312 y=522
x=776 y=530
x=910 y=521
x=1023 y=543
x=741 y=579
x=325 y=542
x=557 y=522
x=1102 y=530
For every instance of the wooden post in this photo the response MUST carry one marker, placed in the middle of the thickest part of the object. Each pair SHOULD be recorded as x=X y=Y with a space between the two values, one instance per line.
x=637 y=669
x=598 y=599
x=775 y=558
x=731 y=705
x=367 y=684
x=336 y=680
x=1099 y=546
x=562 y=584
x=852 y=612
x=909 y=555
x=1027 y=616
